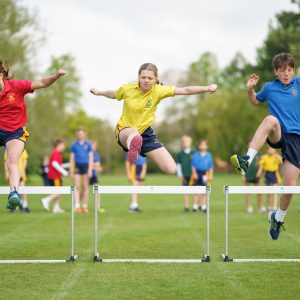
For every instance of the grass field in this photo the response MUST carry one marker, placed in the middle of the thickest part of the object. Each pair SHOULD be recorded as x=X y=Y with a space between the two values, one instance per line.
x=162 y=230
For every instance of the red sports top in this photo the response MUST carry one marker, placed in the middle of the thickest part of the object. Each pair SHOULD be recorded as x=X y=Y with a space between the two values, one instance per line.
x=52 y=172
x=13 y=111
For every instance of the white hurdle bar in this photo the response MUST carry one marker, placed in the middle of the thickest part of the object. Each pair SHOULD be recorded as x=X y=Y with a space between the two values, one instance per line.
x=255 y=190
x=151 y=190
x=46 y=190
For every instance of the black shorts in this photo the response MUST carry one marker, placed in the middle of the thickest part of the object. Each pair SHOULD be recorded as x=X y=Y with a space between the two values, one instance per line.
x=20 y=134
x=94 y=180
x=150 y=141
x=252 y=180
x=55 y=182
x=81 y=168
x=290 y=147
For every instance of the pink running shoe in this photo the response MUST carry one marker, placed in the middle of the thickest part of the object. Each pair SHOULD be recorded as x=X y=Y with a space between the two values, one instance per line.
x=134 y=149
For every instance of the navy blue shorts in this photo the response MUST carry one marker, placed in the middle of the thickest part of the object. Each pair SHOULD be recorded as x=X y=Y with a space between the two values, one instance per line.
x=186 y=180
x=200 y=180
x=270 y=178
x=81 y=168
x=94 y=180
x=150 y=141
x=290 y=147
x=20 y=134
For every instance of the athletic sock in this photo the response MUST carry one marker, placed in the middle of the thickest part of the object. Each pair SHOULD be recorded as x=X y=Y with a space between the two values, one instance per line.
x=84 y=206
x=195 y=207
x=24 y=203
x=251 y=153
x=133 y=205
x=56 y=206
x=280 y=214
x=77 y=205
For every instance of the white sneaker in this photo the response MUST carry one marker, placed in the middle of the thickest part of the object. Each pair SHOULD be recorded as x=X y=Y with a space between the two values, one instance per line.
x=263 y=209
x=45 y=203
x=250 y=210
x=58 y=210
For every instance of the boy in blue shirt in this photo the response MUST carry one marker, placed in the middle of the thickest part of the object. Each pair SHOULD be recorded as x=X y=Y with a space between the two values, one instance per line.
x=202 y=170
x=281 y=129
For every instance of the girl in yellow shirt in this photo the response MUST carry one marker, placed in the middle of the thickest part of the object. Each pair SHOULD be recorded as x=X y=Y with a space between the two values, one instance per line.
x=133 y=131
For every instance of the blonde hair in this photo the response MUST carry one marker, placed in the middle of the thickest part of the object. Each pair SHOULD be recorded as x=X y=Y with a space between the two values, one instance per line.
x=186 y=138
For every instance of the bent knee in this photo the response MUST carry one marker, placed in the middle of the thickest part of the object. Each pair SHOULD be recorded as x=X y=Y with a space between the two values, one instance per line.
x=271 y=121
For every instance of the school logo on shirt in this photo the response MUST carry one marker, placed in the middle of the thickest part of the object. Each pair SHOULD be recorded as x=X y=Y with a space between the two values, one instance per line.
x=11 y=98
x=294 y=91
x=149 y=103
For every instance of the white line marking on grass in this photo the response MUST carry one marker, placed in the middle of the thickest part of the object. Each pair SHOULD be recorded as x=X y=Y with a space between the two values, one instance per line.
x=80 y=267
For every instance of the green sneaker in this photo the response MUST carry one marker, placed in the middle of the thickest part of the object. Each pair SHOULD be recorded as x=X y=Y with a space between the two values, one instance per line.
x=240 y=163
x=14 y=200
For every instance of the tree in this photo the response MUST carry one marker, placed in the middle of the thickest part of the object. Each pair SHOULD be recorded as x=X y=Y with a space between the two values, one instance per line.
x=283 y=36
x=18 y=44
x=49 y=110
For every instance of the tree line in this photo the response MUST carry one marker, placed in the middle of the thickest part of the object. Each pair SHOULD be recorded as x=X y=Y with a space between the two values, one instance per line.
x=226 y=119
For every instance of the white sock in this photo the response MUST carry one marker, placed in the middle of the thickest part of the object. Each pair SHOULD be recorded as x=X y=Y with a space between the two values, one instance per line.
x=134 y=205
x=251 y=153
x=280 y=214
x=84 y=206
x=56 y=205
x=24 y=203
x=77 y=205
x=195 y=206
x=203 y=207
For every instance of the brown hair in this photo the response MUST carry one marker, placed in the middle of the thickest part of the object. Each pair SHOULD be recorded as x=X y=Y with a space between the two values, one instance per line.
x=4 y=69
x=58 y=142
x=202 y=141
x=149 y=67
x=283 y=60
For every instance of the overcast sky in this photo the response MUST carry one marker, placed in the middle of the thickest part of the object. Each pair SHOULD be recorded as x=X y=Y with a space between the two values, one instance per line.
x=110 y=39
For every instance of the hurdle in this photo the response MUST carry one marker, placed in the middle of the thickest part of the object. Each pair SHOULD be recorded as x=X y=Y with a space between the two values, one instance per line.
x=100 y=190
x=254 y=190
x=46 y=190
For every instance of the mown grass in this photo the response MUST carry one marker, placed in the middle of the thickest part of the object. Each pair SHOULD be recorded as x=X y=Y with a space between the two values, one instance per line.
x=162 y=230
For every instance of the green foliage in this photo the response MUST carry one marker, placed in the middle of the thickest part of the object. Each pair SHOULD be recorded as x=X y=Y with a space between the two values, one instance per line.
x=49 y=110
x=18 y=43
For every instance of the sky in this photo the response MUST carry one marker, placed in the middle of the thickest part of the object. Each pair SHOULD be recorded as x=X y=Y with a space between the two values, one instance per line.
x=111 y=39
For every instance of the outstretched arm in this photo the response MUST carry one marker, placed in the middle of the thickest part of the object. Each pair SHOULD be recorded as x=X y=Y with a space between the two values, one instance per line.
x=252 y=82
x=108 y=94
x=194 y=90
x=45 y=82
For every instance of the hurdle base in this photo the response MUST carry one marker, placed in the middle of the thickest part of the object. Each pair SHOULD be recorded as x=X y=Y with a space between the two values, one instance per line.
x=226 y=258
x=97 y=258
x=73 y=258
x=206 y=258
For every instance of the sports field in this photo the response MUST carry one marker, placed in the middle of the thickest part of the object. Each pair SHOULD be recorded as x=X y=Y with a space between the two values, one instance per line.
x=162 y=230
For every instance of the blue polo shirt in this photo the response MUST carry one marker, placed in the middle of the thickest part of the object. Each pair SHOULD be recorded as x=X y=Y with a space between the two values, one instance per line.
x=284 y=103
x=202 y=162
x=81 y=151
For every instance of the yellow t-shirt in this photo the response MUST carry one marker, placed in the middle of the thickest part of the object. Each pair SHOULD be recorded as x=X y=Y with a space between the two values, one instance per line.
x=270 y=163
x=139 y=109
